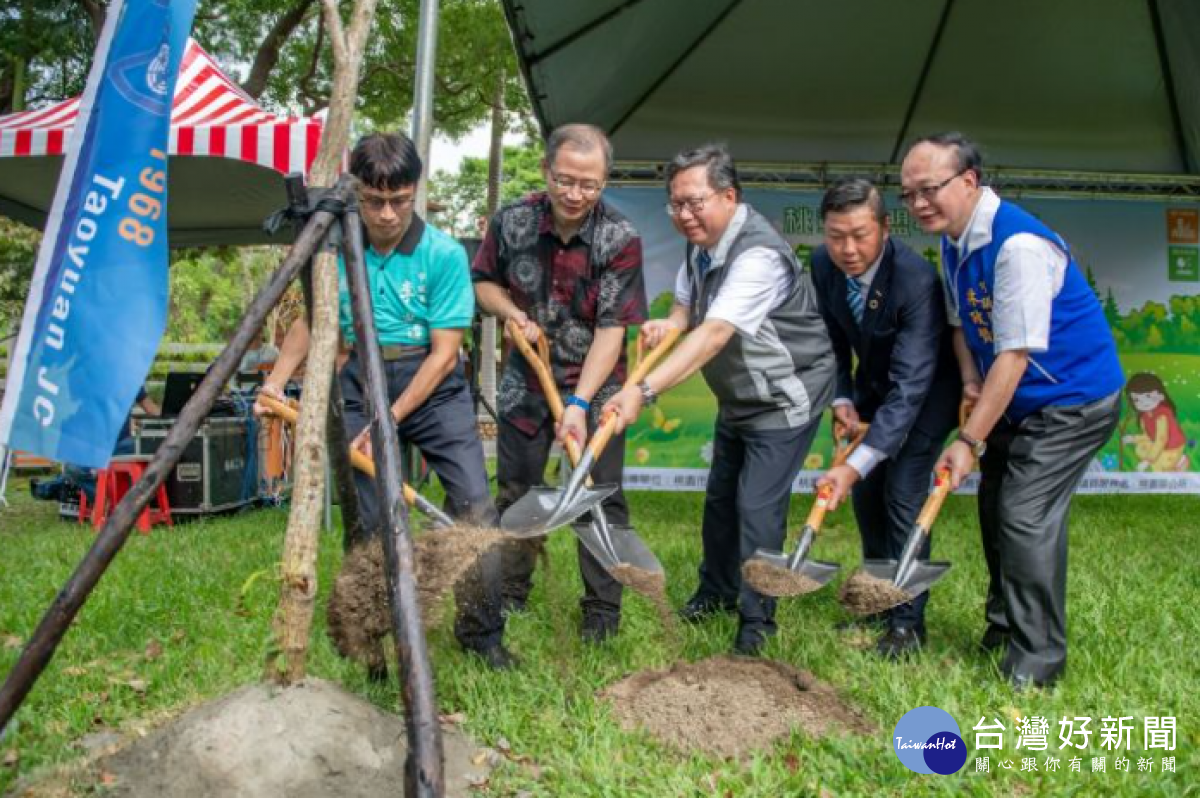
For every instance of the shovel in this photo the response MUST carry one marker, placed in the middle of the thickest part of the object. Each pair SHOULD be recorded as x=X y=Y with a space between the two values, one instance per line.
x=610 y=545
x=795 y=574
x=366 y=465
x=543 y=509
x=909 y=575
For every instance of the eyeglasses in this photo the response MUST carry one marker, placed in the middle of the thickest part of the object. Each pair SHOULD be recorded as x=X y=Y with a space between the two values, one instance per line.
x=377 y=204
x=588 y=189
x=693 y=204
x=928 y=193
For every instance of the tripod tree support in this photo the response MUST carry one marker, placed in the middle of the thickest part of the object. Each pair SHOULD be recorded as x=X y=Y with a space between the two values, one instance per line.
x=66 y=606
x=423 y=770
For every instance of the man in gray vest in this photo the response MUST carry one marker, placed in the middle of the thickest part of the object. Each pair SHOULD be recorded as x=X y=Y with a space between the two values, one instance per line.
x=756 y=333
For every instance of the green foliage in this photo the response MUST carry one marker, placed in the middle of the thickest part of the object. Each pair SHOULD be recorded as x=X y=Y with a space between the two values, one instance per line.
x=18 y=254
x=463 y=194
x=211 y=288
x=52 y=42
x=1155 y=327
x=661 y=306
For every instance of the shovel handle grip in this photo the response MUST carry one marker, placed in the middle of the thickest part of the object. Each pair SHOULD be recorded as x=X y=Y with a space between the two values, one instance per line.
x=645 y=361
x=964 y=412
x=843 y=445
x=540 y=363
x=816 y=514
x=357 y=458
x=933 y=505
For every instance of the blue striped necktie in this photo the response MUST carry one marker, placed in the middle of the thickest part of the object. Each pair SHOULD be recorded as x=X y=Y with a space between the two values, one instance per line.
x=703 y=261
x=854 y=297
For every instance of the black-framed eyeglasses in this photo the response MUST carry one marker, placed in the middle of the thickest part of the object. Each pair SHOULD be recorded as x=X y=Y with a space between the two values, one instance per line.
x=588 y=189
x=928 y=193
x=377 y=204
x=694 y=205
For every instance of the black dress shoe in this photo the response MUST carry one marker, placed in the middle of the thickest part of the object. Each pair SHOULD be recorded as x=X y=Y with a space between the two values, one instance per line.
x=598 y=628
x=749 y=641
x=700 y=608
x=994 y=639
x=1024 y=682
x=899 y=642
x=498 y=658
x=876 y=621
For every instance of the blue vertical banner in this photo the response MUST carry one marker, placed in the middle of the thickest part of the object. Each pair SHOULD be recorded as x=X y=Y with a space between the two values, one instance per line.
x=98 y=303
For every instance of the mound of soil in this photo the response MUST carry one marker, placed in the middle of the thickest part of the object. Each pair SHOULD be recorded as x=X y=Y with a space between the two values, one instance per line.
x=863 y=594
x=778 y=582
x=729 y=706
x=358 y=607
x=312 y=740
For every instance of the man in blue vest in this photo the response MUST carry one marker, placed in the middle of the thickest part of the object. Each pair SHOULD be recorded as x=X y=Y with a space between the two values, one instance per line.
x=1040 y=365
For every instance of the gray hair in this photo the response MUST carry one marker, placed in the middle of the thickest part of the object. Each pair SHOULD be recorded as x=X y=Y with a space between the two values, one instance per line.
x=850 y=193
x=966 y=152
x=584 y=138
x=718 y=167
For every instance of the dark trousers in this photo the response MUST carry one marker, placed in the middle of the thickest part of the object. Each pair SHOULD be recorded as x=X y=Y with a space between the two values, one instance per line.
x=745 y=509
x=1029 y=474
x=886 y=505
x=443 y=429
x=521 y=464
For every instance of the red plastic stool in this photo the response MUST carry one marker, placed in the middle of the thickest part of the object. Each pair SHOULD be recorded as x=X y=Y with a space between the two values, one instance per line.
x=114 y=482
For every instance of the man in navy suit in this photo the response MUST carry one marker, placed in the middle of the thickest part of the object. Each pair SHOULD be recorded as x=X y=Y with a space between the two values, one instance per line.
x=896 y=371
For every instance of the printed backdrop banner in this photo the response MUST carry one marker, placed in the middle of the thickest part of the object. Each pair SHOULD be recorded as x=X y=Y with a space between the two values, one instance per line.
x=1142 y=259
x=97 y=305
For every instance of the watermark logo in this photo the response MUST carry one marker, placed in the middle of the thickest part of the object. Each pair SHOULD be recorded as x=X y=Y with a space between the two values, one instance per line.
x=928 y=740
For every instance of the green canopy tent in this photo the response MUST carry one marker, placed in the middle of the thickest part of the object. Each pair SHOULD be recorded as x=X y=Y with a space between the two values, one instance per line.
x=1106 y=94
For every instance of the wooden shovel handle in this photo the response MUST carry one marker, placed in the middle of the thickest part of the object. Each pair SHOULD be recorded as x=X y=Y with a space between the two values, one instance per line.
x=816 y=514
x=964 y=412
x=357 y=458
x=645 y=361
x=540 y=363
x=933 y=505
x=843 y=445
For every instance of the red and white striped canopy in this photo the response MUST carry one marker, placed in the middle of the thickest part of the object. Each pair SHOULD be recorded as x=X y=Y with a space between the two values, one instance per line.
x=212 y=118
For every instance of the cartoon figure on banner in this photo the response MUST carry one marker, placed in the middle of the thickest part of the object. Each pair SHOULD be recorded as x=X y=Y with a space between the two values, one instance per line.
x=1162 y=443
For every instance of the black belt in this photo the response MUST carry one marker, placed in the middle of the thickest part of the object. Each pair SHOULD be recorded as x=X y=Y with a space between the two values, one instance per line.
x=402 y=351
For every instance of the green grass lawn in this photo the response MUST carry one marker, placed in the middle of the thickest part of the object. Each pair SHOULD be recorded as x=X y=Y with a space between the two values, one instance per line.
x=184 y=616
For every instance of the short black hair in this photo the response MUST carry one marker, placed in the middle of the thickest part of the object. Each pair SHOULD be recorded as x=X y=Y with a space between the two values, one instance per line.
x=967 y=152
x=849 y=193
x=386 y=161
x=718 y=166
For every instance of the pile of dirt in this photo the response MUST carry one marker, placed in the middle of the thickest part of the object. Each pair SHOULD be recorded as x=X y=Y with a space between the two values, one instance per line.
x=730 y=706
x=312 y=740
x=863 y=594
x=358 y=606
x=778 y=582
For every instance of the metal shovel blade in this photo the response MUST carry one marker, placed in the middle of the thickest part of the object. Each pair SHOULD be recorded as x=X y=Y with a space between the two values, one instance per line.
x=542 y=510
x=923 y=575
x=818 y=571
x=626 y=547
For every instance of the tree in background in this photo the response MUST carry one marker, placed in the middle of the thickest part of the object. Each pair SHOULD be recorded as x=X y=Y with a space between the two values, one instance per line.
x=463 y=194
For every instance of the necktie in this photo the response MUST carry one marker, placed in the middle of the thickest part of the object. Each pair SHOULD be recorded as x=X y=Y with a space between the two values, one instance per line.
x=854 y=297
x=703 y=260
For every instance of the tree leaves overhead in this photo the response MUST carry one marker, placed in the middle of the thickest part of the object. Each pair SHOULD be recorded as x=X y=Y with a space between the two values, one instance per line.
x=277 y=50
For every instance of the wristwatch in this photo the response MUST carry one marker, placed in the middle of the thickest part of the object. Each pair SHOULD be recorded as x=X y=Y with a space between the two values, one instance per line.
x=649 y=397
x=977 y=447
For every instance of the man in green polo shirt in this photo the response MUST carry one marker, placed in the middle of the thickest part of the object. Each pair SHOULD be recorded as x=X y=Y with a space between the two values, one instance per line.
x=423 y=301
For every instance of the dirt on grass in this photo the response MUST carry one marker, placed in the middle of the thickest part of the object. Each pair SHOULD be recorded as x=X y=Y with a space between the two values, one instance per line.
x=863 y=594
x=312 y=740
x=358 y=607
x=730 y=706
x=771 y=580
x=652 y=585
